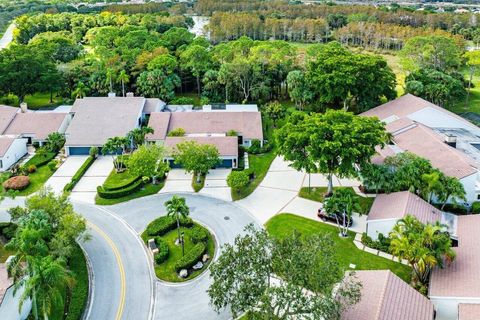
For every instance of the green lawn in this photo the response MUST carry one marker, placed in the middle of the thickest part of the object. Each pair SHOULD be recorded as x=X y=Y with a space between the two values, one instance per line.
x=115 y=179
x=36 y=101
x=318 y=193
x=166 y=270
x=259 y=164
x=37 y=180
x=474 y=100
x=146 y=190
x=284 y=224
x=4 y=253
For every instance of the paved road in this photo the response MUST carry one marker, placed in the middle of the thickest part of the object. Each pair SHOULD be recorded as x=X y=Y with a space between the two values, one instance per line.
x=7 y=37
x=188 y=301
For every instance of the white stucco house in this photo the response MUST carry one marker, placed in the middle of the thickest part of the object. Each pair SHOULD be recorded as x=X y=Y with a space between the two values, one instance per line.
x=450 y=142
x=12 y=149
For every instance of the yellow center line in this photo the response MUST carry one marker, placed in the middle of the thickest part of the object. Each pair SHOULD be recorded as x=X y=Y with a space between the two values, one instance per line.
x=120 y=267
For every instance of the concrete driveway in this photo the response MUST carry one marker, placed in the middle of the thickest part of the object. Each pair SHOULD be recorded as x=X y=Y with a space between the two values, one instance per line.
x=188 y=301
x=216 y=184
x=64 y=174
x=178 y=180
x=86 y=188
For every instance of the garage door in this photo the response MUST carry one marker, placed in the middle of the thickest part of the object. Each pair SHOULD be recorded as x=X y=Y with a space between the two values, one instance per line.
x=78 y=151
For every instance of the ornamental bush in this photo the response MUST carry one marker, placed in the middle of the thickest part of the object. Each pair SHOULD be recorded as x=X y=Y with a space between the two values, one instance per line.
x=476 y=207
x=198 y=234
x=32 y=168
x=162 y=225
x=191 y=257
x=163 y=250
x=52 y=165
x=17 y=183
x=238 y=179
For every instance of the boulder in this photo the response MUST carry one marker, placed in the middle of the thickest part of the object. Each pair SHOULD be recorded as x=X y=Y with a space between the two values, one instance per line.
x=205 y=258
x=198 y=266
x=183 y=273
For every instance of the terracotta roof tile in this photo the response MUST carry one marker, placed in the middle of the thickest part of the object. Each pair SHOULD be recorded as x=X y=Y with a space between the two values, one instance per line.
x=39 y=124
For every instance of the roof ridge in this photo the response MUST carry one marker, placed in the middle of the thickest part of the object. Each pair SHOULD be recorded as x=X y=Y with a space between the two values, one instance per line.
x=382 y=296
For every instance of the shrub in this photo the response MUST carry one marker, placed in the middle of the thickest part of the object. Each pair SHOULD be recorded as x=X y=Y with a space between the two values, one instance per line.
x=183 y=100
x=52 y=165
x=232 y=133
x=163 y=250
x=145 y=179
x=114 y=194
x=191 y=257
x=179 y=132
x=255 y=147
x=382 y=244
x=17 y=183
x=238 y=179
x=41 y=159
x=79 y=174
x=93 y=152
x=198 y=234
x=455 y=208
x=8 y=229
x=476 y=207
x=127 y=184
x=162 y=225
x=32 y=168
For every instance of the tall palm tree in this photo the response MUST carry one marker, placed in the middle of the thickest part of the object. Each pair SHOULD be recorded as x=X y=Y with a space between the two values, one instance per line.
x=137 y=135
x=177 y=208
x=109 y=80
x=433 y=185
x=123 y=79
x=116 y=147
x=80 y=91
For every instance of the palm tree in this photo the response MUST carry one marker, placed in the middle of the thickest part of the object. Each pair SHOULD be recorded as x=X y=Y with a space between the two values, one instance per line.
x=80 y=91
x=452 y=189
x=433 y=184
x=137 y=135
x=123 y=79
x=109 y=80
x=116 y=148
x=177 y=208
x=424 y=246
x=343 y=203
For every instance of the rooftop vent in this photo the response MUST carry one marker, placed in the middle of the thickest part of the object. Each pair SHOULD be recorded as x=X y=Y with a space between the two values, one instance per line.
x=451 y=140
x=23 y=107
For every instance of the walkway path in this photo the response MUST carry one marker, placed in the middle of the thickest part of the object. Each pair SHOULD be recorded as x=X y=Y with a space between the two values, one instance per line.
x=188 y=301
x=7 y=36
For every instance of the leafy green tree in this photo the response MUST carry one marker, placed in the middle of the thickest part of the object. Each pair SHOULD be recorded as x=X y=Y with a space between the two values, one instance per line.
x=178 y=209
x=177 y=37
x=473 y=62
x=299 y=89
x=334 y=143
x=275 y=111
x=342 y=204
x=336 y=20
x=424 y=246
x=270 y=277
x=431 y=52
x=116 y=147
x=137 y=135
x=147 y=161
x=123 y=78
x=377 y=177
x=158 y=84
x=197 y=59
x=433 y=184
x=435 y=86
x=237 y=180
x=55 y=141
x=80 y=91
x=452 y=189
x=196 y=158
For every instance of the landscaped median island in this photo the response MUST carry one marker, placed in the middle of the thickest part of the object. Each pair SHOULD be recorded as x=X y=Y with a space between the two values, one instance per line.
x=199 y=247
x=347 y=253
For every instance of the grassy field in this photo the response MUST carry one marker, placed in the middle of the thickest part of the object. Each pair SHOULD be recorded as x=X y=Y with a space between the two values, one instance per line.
x=166 y=270
x=284 y=224
x=36 y=101
x=318 y=194
x=37 y=180
x=115 y=179
x=259 y=164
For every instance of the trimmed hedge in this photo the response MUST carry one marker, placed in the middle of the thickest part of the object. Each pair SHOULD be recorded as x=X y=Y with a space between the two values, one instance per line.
x=163 y=225
x=114 y=194
x=122 y=186
x=40 y=159
x=198 y=234
x=476 y=207
x=454 y=208
x=79 y=174
x=191 y=257
x=163 y=250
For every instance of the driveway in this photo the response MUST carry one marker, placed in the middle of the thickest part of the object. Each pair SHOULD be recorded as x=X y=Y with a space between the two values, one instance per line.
x=178 y=180
x=64 y=174
x=216 y=184
x=86 y=188
x=188 y=301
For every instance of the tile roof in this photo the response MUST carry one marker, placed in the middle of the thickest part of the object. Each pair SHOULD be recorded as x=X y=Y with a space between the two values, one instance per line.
x=461 y=278
x=98 y=118
x=227 y=146
x=39 y=124
x=6 y=116
x=159 y=123
x=397 y=205
x=468 y=311
x=248 y=124
x=5 y=143
x=152 y=105
x=384 y=296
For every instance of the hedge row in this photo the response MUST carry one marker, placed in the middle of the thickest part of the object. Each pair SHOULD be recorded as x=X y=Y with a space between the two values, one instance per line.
x=40 y=159
x=162 y=225
x=114 y=194
x=191 y=257
x=163 y=250
x=198 y=234
x=79 y=174
x=122 y=186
